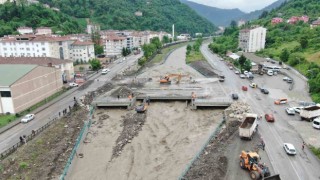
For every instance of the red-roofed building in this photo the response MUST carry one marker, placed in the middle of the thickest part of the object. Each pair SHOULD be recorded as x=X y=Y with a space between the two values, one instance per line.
x=82 y=51
x=295 y=19
x=276 y=20
x=315 y=23
x=54 y=46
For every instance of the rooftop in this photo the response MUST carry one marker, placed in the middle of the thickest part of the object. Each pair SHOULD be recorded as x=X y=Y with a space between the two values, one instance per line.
x=43 y=61
x=11 y=73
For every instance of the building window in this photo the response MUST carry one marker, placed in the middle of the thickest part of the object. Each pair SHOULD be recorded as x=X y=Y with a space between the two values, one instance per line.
x=42 y=43
x=5 y=93
x=43 y=49
x=60 y=43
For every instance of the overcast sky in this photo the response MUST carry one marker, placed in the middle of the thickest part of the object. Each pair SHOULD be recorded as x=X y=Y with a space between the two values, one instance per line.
x=243 y=5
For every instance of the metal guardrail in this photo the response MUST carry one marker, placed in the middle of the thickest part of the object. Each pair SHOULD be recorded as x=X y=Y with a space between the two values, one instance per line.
x=12 y=149
x=85 y=128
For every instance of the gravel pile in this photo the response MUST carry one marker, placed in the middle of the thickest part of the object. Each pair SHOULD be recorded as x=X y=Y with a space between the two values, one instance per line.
x=237 y=110
x=132 y=124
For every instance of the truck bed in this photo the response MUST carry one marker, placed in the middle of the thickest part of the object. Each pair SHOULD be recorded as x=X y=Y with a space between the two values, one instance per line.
x=247 y=123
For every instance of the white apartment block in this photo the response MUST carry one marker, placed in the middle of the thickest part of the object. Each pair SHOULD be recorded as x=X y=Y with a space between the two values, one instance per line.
x=252 y=40
x=92 y=28
x=25 y=30
x=82 y=51
x=114 y=45
x=60 y=47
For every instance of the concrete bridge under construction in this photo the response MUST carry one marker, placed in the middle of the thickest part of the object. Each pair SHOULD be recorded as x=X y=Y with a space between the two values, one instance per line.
x=129 y=103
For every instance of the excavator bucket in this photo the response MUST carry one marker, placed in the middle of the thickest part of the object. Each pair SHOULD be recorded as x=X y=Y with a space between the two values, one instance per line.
x=274 y=177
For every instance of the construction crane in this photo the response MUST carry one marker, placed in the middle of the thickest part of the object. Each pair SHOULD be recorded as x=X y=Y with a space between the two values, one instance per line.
x=166 y=79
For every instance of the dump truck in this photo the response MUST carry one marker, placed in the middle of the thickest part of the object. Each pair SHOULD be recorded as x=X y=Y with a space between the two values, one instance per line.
x=249 y=126
x=309 y=113
x=250 y=161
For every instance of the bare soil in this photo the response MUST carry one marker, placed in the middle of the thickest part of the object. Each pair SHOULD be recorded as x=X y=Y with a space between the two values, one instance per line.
x=213 y=162
x=204 y=68
x=46 y=155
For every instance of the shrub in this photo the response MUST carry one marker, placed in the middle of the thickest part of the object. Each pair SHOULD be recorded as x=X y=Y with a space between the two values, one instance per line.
x=315 y=151
x=23 y=165
x=8 y=113
x=18 y=115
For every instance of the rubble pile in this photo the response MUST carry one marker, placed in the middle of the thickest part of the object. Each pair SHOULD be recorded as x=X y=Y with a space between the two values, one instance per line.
x=132 y=124
x=204 y=68
x=46 y=155
x=89 y=96
x=237 y=110
x=213 y=162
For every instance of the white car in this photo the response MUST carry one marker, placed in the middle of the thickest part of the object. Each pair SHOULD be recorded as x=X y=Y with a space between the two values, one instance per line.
x=73 y=84
x=27 y=118
x=237 y=72
x=105 y=71
x=245 y=72
x=289 y=148
x=290 y=111
x=285 y=78
x=297 y=109
x=242 y=76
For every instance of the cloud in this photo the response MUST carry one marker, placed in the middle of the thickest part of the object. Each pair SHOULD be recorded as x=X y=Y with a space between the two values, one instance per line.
x=244 y=5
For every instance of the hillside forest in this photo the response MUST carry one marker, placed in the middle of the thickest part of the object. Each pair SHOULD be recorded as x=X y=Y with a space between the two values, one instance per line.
x=295 y=44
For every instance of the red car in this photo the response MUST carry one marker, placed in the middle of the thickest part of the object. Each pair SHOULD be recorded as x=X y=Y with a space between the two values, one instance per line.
x=269 y=117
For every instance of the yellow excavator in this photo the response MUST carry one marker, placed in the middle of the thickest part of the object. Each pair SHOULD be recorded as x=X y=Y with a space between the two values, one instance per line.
x=166 y=79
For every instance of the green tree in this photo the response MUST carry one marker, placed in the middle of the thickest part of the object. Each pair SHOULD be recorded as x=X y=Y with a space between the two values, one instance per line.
x=284 y=56
x=247 y=65
x=165 y=39
x=242 y=60
x=156 y=41
x=95 y=64
x=233 y=24
x=304 y=42
x=98 y=49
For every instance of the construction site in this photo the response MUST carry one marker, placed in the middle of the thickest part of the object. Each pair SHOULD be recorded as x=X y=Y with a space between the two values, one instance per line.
x=167 y=122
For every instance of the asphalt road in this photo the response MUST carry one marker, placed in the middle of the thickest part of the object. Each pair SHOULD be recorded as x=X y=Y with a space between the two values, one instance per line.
x=304 y=165
x=11 y=137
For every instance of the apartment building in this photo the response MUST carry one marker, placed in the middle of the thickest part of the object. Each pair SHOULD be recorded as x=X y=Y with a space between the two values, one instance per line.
x=82 y=51
x=43 y=31
x=25 y=30
x=252 y=40
x=60 y=47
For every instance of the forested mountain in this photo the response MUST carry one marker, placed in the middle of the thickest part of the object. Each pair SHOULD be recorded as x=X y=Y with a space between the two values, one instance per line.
x=120 y=14
x=219 y=17
x=13 y=15
x=223 y=17
x=257 y=13
x=295 y=44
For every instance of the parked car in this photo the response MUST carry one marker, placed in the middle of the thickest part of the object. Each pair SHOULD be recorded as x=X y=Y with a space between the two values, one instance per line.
x=27 y=118
x=105 y=71
x=290 y=111
x=237 y=72
x=245 y=72
x=289 y=148
x=235 y=96
x=270 y=72
x=316 y=123
x=73 y=84
x=281 y=101
x=230 y=67
x=297 y=109
x=285 y=78
x=269 y=117
x=264 y=91
x=242 y=76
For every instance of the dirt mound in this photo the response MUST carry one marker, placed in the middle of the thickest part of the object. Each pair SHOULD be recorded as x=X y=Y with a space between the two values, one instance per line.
x=88 y=98
x=45 y=156
x=85 y=85
x=213 y=162
x=122 y=92
x=204 y=68
x=132 y=123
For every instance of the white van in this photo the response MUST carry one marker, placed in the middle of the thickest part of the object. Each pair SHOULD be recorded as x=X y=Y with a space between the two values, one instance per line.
x=270 y=72
x=316 y=123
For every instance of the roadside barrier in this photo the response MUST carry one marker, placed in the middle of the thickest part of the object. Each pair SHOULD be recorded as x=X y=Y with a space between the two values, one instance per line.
x=213 y=135
x=83 y=131
x=9 y=151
